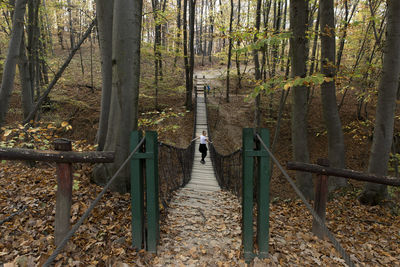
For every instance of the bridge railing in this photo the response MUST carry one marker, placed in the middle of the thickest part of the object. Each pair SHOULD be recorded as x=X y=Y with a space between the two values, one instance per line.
x=228 y=168
x=174 y=167
x=175 y=164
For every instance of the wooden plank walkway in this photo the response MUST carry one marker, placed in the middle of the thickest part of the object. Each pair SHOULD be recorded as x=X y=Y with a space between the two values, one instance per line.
x=203 y=177
x=203 y=224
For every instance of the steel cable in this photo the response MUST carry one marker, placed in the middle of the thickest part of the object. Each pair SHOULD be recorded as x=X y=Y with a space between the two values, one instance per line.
x=325 y=229
x=89 y=210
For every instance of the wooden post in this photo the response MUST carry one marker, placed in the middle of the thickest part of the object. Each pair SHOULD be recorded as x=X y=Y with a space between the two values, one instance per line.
x=137 y=197
x=263 y=197
x=247 y=198
x=321 y=196
x=64 y=193
x=152 y=199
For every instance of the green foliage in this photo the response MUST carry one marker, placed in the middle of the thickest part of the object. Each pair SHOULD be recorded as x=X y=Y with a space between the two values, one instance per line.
x=280 y=82
x=263 y=41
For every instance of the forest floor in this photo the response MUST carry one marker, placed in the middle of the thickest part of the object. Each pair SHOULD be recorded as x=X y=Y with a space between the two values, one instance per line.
x=369 y=234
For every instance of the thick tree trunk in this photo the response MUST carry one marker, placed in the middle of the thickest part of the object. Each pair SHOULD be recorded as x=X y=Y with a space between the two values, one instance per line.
x=299 y=52
x=104 y=13
x=7 y=82
x=328 y=92
x=384 y=122
x=125 y=92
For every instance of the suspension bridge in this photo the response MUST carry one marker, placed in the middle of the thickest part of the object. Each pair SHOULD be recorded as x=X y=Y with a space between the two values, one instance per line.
x=205 y=219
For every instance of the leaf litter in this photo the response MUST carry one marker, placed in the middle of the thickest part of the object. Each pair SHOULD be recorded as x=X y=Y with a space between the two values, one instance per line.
x=194 y=232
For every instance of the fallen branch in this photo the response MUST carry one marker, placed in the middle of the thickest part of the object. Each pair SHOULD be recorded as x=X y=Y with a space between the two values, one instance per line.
x=12 y=215
x=345 y=173
x=56 y=156
x=58 y=74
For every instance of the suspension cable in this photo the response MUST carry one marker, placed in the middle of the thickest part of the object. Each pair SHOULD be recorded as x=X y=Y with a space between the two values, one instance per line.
x=325 y=229
x=88 y=211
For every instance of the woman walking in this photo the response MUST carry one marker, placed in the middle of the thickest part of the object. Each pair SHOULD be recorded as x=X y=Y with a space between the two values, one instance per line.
x=203 y=146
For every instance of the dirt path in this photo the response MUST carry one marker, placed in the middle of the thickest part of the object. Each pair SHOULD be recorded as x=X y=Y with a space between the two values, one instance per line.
x=201 y=230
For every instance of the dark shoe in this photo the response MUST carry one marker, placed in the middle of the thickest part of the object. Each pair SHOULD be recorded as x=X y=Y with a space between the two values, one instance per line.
x=202 y=162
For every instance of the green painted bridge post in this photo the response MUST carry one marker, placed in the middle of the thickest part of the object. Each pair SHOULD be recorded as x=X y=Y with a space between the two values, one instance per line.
x=137 y=197
x=247 y=198
x=152 y=203
x=263 y=197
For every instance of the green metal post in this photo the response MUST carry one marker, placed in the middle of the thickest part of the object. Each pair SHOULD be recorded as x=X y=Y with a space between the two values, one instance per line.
x=247 y=198
x=263 y=197
x=152 y=205
x=137 y=204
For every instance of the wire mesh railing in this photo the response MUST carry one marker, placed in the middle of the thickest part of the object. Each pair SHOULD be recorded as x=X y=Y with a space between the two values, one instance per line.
x=227 y=168
x=174 y=168
x=175 y=164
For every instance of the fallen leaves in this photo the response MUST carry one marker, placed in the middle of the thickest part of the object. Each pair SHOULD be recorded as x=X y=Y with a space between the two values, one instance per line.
x=208 y=234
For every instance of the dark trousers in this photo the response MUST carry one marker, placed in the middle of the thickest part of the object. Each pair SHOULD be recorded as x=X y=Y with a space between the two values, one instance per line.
x=203 y=151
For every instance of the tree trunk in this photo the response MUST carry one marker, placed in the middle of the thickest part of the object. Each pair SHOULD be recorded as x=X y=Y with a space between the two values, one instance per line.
x=71 y=28
x=384 y=122
x=315 y=44
x=157 y=44
x=239 y=85
x=211 y=38
x=192 y=15
x=299 y=52
x=125 y=92
x=347 y=21
x=58 y=74
x=33 y=44
x=178 y=35
x=7 y=82
x=26 y=90
x=188 y=101
x=257 y=73
x=328 y=92
x=228 y=69
x=104 y=13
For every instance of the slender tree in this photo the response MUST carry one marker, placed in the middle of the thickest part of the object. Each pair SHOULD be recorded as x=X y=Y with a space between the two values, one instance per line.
x=257 y=72
x=384 y=122
x=178 y=34
x=188 y=101
x=26 y=90
x=228 y=69
x=192 y=15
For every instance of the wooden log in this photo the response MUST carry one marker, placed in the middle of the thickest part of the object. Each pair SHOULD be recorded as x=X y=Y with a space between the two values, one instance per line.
x=321 y=196
x=62 y=222
x=346 y=173
x=56 y=156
